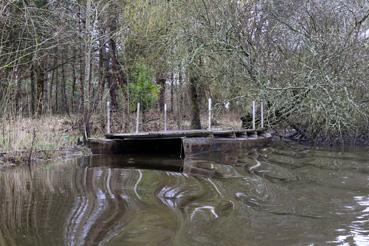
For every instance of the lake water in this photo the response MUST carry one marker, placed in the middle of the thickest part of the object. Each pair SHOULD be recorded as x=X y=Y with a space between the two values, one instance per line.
x=280 y=195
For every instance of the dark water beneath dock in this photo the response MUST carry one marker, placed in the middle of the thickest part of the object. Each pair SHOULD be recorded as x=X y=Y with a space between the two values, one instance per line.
x=281 y=195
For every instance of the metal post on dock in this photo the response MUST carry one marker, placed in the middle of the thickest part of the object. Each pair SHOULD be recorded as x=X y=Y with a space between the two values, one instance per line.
x=165 y=117
x=253 y=115
x=108 y=117
x=261 y=115
x=138 y=118
x=210 y=112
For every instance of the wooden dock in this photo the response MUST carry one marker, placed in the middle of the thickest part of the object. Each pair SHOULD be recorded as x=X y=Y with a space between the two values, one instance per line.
x=180 y=144
x=189 y=134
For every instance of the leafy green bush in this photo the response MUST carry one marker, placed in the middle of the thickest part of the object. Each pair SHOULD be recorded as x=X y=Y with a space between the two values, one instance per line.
x=143 y=89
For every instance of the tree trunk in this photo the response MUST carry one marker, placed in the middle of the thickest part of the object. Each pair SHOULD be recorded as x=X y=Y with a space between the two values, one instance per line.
x=46 y=91
x=65 y=106
x=87 y=74
x=160 y=80
x=81 y=84
x=56 y=97
x=74 y=81
x=40 y=88
x=102 y=56
x=179 y=100
x=51 y=86
x=116 y=66
x=111 y=84
x=18 y=92
x=115 y=78
x=195 y=108
x=62 y=88
x=172 y=93
x=119 y=77
x=81 y=67
x=33 y=91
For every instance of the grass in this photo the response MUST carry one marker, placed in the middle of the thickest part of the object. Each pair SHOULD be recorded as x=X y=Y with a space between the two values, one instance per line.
x=46 y=133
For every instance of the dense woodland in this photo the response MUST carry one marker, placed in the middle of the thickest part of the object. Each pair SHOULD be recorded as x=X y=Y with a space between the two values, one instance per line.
x=306 y=59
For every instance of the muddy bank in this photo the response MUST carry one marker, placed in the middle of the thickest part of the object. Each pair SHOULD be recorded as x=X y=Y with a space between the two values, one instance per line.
x=19 y=158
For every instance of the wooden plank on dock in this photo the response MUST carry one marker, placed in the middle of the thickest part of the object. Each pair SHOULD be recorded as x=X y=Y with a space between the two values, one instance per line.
x=183 y=133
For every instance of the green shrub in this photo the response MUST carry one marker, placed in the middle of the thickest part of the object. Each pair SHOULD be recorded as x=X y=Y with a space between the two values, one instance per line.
x=143 y=89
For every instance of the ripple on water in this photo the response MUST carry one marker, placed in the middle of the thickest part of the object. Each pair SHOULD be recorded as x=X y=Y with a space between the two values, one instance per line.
x=282 y=195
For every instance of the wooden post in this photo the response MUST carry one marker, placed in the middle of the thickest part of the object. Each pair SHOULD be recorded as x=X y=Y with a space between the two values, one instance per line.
x=165 y=117
x=138 y=118
x=108 y=118
x=253 y=115
x=262 y=115
x=210 y=109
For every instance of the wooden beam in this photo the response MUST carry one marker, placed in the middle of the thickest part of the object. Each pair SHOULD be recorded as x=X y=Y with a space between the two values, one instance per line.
x=184 y=133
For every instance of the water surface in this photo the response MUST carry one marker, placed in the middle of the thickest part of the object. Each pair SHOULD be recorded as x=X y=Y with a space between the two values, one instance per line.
x=280 y=195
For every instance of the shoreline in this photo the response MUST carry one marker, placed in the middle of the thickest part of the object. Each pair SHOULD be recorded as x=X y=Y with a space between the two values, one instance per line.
x=22 y=158
x=38 y=157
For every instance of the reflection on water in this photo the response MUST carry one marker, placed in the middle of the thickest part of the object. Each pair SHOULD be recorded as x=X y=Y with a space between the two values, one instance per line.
x=282 y=195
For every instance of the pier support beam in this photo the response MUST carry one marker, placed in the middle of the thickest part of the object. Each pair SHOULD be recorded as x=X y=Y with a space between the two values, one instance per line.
x=262 y=115
x=253 y=115
x=210 y=114
x=138 y=118
x=108 y=123
x=165 y=117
